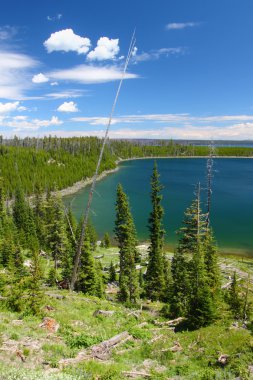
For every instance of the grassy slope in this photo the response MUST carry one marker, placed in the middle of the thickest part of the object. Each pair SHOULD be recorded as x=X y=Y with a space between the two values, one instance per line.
x=148 y=351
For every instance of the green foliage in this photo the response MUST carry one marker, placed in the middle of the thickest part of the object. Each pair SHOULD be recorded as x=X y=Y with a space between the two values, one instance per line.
x=90 y=278
x=155 y=281
x=81 y=341
x=106 y=242
x=112 y=273
x=195 y=270
x=126 y=236
x=234 y=300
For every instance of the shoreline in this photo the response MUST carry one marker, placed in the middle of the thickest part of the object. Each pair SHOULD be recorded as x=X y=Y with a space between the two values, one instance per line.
x=77 y=186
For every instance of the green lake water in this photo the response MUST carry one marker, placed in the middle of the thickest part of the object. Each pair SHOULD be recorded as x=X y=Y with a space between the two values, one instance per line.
x=232 y=198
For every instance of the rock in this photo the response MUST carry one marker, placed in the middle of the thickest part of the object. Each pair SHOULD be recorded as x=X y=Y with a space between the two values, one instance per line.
x=17 y=322
x=103 y=312
x=177 y=347
x=49 y=308
x=223 y=359
x=50 y=324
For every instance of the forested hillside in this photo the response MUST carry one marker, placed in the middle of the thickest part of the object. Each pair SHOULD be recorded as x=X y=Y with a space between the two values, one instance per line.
x=59 y=162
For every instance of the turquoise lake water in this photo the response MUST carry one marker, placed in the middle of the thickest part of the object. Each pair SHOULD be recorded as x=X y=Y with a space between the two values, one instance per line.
x=232 y=198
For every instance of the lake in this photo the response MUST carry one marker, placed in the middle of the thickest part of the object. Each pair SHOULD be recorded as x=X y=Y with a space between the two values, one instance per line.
x=232 y=198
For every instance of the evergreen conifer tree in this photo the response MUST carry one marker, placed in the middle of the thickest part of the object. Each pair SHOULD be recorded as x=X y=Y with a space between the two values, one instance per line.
x=57 y=235
x=126 y=236
x=89 y=277
x=35 y=294
x=211 y=262
x=234 y=299
x=112 y=273
x=155 y=282
x=106 y=240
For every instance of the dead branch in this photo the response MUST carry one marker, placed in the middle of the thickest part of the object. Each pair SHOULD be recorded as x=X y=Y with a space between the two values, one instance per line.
x=135 y=374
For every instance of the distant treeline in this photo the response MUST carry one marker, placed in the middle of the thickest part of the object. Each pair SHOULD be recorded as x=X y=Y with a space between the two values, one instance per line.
x=53 y=162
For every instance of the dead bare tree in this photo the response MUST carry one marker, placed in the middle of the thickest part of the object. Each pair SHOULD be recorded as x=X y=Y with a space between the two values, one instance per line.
x=88 y=206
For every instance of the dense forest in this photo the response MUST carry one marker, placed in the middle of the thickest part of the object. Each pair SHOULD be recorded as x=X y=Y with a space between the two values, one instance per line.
x=189 y=285
x=56 y=163
x=38 y=244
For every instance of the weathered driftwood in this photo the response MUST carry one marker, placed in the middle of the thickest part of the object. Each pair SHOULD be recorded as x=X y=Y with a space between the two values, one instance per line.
x=135 y=374
x=107 y=313
x=173 y=322
x=99 y=351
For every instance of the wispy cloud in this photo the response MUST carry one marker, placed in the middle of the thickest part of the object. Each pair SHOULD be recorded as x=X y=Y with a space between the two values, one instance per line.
x=233 y=132
x=156 y=54
x=181 y=25
x=184 y=119
x=18 y=124
x=65 y=94
x=15 y=73
x=7 y=32
x=54 y=18
x=87 y=74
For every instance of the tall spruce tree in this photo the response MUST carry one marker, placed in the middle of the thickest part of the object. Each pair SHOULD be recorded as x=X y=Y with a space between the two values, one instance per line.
x=89 y=275
x=126 y=236
x=211 y=262
x=57 y=235
x=192 y=293
x=155 y=282
x=34 y=286
x=234 y=299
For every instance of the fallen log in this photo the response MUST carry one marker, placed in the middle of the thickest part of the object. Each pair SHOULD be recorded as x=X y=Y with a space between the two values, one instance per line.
x=103 y=312
x=135 y=374
x=173 y=322
x=99 y=351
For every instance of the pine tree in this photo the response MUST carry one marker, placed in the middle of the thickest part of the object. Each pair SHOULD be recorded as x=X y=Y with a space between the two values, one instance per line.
x=24 y=221
x=112 y=273
x=106 y=240
x=201 y=307
x=35 y=294
x=211 y=262
x=180 y=284
x=126 y=236
x=57 y=235
x=193 y=295
x=155 y=283
x=234 y=299
x=89 y=277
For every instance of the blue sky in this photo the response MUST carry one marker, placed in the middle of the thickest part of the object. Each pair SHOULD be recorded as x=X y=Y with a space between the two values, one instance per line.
x=191 y=75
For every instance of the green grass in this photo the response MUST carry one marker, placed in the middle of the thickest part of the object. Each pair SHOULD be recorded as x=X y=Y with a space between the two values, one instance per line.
x=149 y=349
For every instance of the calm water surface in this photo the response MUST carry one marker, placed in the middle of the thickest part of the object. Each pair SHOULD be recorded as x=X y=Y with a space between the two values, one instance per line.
x=232 y=199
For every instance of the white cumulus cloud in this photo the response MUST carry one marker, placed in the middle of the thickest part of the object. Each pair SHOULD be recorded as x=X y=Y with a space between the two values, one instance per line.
x=66 y=40
x=8 y=107
x=106 y=49
x=40 y=78
x=68 y=107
